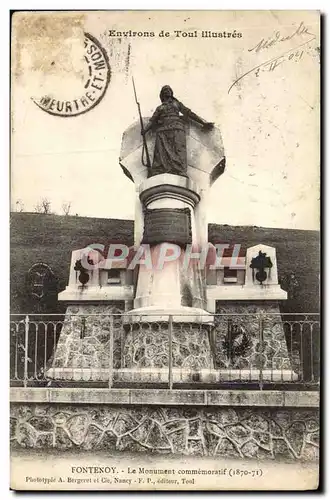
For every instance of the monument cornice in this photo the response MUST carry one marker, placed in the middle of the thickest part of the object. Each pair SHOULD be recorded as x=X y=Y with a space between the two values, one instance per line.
x=169 y=186
x=169 y=191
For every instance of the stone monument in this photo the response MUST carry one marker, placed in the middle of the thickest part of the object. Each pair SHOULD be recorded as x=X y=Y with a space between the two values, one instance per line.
x=172 y=339
x=170 y=330
x=170 y=193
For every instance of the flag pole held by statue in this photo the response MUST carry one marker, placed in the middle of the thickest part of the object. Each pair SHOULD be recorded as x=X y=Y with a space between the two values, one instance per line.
x=145 y=147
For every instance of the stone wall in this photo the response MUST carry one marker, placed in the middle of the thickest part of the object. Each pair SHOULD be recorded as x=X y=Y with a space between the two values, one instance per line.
x=261 y=433
x=84 y=341
x=235 y=340
x=147 y=345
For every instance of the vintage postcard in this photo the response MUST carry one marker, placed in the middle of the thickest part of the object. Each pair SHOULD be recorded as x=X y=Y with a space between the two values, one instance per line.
x=164 y=327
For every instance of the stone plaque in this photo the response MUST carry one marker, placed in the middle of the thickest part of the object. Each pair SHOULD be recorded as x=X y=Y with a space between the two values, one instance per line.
x=172 y=225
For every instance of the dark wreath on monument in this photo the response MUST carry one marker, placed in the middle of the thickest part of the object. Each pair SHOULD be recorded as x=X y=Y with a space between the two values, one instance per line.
x=237 y=343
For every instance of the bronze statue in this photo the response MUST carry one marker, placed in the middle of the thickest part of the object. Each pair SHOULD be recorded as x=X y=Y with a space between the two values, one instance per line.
x=170 y=154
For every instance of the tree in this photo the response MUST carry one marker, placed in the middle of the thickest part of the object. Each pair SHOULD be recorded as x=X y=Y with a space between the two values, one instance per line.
x=66 y=207
x=19 y=206
x=43 y=207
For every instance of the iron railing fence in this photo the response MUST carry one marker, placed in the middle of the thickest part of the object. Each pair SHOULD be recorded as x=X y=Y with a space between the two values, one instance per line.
x=256 y=350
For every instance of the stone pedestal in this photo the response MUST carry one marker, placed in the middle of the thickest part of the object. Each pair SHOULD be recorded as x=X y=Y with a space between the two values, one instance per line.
x=169 y=284
x=148 y=346
x=83 y=348
x=251 y=342
x=170 y=218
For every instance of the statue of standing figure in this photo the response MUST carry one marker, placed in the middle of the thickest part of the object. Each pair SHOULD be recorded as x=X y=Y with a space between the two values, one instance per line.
x=168 y=121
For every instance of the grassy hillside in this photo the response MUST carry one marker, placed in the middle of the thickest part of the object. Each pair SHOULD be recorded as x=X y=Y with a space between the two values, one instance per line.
x=51 y=239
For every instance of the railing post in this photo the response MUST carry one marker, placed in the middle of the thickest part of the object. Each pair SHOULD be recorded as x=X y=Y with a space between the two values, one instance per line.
x=170 y=367
x=111 y=343
x=122 y=343
x=16 y=350
x=26 y=348
x=301 y=353
x=261 y=349
x=312 y=357
x=36 y=352
x=229 y=336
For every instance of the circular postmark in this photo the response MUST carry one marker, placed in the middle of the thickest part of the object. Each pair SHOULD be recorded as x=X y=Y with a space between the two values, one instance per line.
x=97 y=78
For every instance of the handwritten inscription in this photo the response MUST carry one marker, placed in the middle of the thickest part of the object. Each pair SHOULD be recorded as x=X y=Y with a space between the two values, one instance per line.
x=271 y=66
x=294 y=54
x=277 y=38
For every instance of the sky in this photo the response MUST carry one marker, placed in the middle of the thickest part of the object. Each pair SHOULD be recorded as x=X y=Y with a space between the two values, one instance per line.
x=269 y=120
